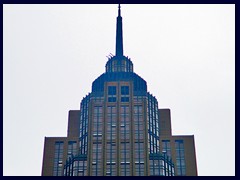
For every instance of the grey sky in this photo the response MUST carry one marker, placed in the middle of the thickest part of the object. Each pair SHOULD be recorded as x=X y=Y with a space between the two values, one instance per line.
x=52 y=54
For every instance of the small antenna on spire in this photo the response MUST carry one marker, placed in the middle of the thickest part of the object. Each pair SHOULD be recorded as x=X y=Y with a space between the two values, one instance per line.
x=119 y=10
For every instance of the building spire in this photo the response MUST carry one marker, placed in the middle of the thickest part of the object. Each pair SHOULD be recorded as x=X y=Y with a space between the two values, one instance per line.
x=119 y=37
x=119 y=10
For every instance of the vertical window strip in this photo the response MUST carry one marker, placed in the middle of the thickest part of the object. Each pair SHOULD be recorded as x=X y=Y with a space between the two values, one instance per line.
x=84 y=125
x=58 y=158
x=111 y=146
x=154 y=124
x=138 y=149
x=125 y=147
x=149 y=126
x=96 y=168
x=180 y=158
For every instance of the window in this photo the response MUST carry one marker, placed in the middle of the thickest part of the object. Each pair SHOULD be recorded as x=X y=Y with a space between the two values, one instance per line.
x=111 y=149
x=124 y=90
x=166 y=147
x=58 y=158
x=79 y=168
x=124 y=99
x=96 y=158
x=83 y=137
x=97 y=139
x=72 y=148
x=112 y=99
x=153 y=128
x=124 y=93
x=180 y=158
x=112 y=91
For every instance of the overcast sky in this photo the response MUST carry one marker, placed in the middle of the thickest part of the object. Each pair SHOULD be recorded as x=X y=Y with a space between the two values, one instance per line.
x=53 y=53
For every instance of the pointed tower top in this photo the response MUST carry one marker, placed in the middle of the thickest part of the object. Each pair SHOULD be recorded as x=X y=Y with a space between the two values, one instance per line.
x=119 y=62
x=119 y=37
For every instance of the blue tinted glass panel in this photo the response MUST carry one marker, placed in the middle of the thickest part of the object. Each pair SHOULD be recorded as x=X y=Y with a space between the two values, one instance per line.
x=124 y=99
x=112 y=90
x=124 y=90
x=112 y=99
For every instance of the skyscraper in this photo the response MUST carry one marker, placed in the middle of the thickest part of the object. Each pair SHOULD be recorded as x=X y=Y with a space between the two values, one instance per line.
x=119 y=130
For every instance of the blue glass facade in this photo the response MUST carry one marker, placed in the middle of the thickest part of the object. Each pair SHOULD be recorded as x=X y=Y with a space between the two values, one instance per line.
x=83 y=134
x=153 y=123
